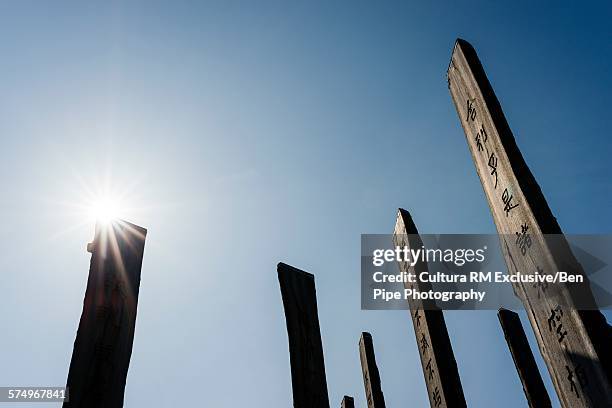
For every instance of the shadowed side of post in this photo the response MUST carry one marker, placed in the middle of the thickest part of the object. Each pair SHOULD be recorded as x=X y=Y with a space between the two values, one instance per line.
x=305 y=347
x=525 y=363
x=371 y=376
x=103 y=345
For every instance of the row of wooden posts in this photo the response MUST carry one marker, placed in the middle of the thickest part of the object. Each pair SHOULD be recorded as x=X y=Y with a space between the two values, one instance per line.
x=437 y=357
x=574 y=343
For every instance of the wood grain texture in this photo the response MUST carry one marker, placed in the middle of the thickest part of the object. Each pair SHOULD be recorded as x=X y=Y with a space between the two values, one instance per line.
x=573 y=342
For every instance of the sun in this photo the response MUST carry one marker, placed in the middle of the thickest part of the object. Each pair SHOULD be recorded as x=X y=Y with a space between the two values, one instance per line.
x=91 y=195
x=105 y=209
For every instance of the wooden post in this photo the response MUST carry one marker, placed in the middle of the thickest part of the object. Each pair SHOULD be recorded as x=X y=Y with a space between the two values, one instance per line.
x=347 y=402
x=371 y=376
x=103 y=345
x=437 y=357
x=305 y=348
x=575 y=343
x=526 y=366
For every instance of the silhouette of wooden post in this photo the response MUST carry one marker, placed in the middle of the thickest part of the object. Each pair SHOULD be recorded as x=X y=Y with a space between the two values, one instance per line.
x=371 y=376
x=103 y=345
x=437 y=357
x=525 y=363
x=572 y=334
x=347 y=402
x=305 y=348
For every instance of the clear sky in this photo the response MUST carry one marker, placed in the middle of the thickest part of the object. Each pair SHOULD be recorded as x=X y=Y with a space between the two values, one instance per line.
x=244 y=134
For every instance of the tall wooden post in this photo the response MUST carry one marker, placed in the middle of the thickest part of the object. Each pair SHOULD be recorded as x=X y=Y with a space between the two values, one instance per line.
x=525 y=363
x=437 y=357
x=574 y=343
x=103 y=345
x=305 y=347
x=371 y=376
x=347 y=402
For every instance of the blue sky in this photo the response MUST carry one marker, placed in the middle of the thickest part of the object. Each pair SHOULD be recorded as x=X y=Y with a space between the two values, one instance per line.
x=244 y=134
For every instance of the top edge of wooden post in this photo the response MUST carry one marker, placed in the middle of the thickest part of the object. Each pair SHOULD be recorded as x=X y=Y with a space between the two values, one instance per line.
x=117 y=226
x=406 y=218
x=462 y=45
x=502 y=310
x=468 y=52
x=121 y=223
x=348 y=402
x=138 y=228
x=283 y=267
x=402 y=212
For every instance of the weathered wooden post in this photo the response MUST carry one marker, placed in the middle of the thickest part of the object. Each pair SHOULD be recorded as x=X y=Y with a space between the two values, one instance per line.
x=525 y=363
x=103 y=345
x=574 y=343
x=371 y=376
x=437 y=357
x=305 y=347
x=347 y=402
